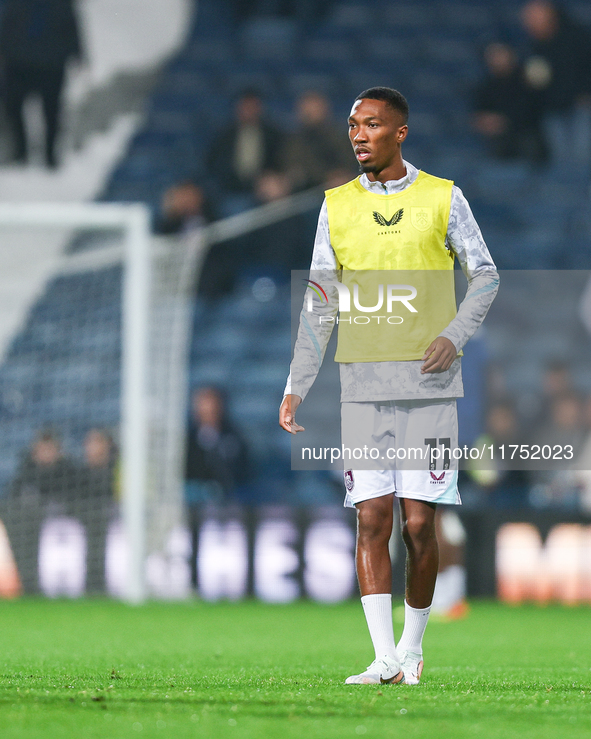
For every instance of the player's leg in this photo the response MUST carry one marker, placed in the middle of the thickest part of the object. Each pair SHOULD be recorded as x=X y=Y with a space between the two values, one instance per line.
x=422 y=553
x=374 y=571
x=374 y=528
x=370 y=491
x=423 y=481
x=422 y=562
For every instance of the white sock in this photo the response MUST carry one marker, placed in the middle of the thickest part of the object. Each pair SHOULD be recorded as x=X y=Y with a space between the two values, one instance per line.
x=415 y=623
x=378 y=614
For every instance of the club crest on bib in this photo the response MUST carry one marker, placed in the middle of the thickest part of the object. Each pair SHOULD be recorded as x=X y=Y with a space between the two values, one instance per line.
x=349 y=482
x=421 y=217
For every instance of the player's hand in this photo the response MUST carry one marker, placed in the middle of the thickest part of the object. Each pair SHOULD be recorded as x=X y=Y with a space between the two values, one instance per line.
x=287 y=414
x=439 y=356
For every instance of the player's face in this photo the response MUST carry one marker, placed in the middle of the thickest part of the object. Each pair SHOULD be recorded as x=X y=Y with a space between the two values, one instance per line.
x=376 y=132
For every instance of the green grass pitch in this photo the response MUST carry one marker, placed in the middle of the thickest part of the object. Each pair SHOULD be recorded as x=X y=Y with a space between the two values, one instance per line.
x=88 y=669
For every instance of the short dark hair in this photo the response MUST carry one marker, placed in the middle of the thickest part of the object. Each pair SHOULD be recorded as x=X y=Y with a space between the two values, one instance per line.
x=48 y=434
x=393 y=98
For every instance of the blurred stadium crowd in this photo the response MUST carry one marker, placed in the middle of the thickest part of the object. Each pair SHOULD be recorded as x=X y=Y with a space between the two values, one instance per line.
x=251 y=110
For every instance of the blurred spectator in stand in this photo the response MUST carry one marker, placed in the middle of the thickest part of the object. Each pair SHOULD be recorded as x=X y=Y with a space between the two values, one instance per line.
x=319 y=150
x=272 y=186
x=508 y=111
x=37 y=39
x=557 y=381
x=449 y=598
x=217 y=461
x=504 y=487
x=184 y=208
x=564 y=424
x=274 y=249
x=245 y=149
x=559 y=66
x=45 y=484
x=45 y=475
x=583 y=475
x=283 y=245
x=558 y=484
x=94 y=502
x=99 y=472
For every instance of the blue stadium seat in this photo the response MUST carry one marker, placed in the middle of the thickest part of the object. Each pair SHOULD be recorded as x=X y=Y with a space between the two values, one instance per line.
x=269 y=38
x=330 y=51
x=354 y=16
x=257 y=376
x=392 y=49
x=301 y=82
x=467 y=15
x=263 y=81
x=409 y=17
x=208 y=373
x=209 y=51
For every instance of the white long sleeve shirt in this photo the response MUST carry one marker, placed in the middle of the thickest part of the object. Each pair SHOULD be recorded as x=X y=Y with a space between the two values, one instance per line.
x=376 y=381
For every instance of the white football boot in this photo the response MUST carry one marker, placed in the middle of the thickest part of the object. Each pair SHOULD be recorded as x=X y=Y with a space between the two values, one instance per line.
x=381 y=671
x=412 y=665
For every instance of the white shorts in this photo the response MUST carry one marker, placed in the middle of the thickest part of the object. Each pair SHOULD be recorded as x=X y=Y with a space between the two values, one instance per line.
x=403 y=446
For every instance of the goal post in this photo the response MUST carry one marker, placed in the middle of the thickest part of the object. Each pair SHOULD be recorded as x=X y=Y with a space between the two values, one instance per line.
x=134 y=411
x=133 y=221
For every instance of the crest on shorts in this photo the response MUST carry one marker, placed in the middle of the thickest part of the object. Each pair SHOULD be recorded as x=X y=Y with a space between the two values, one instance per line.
x=421 y=218
x=349 y=481
x=437 y=478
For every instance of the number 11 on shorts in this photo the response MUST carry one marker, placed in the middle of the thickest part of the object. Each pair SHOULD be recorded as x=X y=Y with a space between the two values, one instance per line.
x=433 y=445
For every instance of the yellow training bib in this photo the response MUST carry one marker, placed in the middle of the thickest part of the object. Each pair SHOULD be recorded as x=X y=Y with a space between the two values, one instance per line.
x=396 y=267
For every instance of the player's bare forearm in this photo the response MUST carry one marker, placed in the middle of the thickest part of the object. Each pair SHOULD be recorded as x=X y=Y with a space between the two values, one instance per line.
x=439 y=356
x=287 y=413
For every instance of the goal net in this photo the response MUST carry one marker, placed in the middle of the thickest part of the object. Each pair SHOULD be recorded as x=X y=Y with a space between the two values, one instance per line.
x=93 y=386
x=95 y=334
